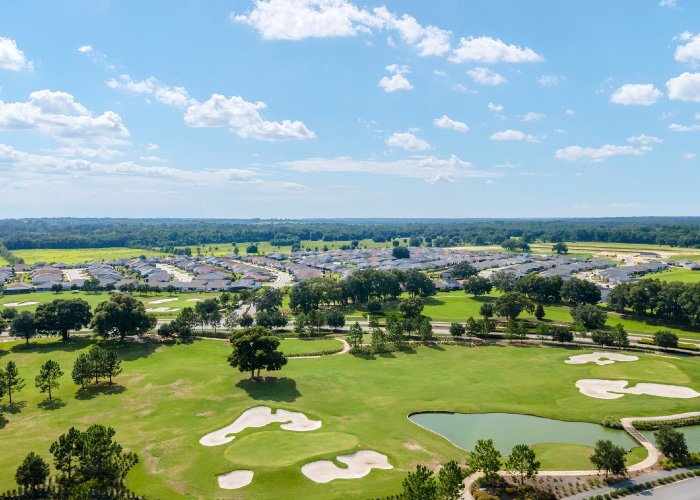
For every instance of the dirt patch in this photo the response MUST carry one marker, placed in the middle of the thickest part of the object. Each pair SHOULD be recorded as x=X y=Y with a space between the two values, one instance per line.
x=205 y=414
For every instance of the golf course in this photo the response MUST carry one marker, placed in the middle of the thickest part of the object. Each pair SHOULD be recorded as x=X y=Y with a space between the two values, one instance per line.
x=171 y=395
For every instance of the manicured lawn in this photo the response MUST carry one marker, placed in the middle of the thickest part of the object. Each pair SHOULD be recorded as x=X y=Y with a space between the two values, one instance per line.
x=294 y=346
x=169 y=396
x=81 y=254
x=264 y=247
x=675 y=274
x=577 y=457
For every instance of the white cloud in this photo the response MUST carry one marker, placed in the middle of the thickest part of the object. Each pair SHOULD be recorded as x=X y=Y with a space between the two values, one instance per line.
x=507 y=165
x=641 y=94
x=58 y=115
x=485 y=76
x=667 y=3
x=152 y=147
x=624 y=205
x=437 y=72
x=83 y=49
x=490 y=181
x=684 y=128
x=431 y=169
x=685 y=87
x=489 y=50
x=513 y=135
x=495 y=107
x=397 y=80
x=570 y=112
x=550 y=80
x=11 y=57
x=575 y=153
x=532 y=116
x=102 y=153
x=170 y=96
x=690 y=52
x=645 y=139
x=407 y=141
x=96 y=56
x=244 y=118
x=445 y=122
x=689 y=156
x=300 y=19
x=154 y=159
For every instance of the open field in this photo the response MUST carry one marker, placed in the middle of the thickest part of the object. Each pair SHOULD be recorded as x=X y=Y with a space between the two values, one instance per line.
x=264 y=247
x=171 y=395
x=80 y=254
x=675 y=274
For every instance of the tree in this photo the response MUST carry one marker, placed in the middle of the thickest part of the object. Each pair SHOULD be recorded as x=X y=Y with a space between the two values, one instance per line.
x=542 y=331
x=315 y=320
x=48 y=376
x=355 y=335
x=502 y=281
x=32 y=472
x=561 y=334
x=472 y=328
x=97 y=357
x=579 y=291
x=112 y=365
x=450 y=481
x=57 y=288
x=417 y=283
x=419 y=485
x=82 y=369
x=560 y=248
x=378 y=340
x=486 y=326
x=374 y=307
x=602 y=337
x=522 y=461
x=61 y=316
x=487 y=459
x=11 y=380
x=255 y=348
x=463 y=270
x=620 y=338
x=588 y=314
x=170 y=289
x=99 y=454
x=400 y=253
x=411 y=307
x=207 y=312
x=394 y=328
x=671 y=442
x=66 y=452
x=251 y=249
x=268 y=299
x=23 y=326
x=425 y=329
x=515 y=330
x=665 y=338
x=539 y=312
x=274 y=319
x=457 y=329
x=511 y=304
x=122 y=315
x=477 y=285
x=486 y=310
x=232 y=320
x=91 y=285
x=609 y=458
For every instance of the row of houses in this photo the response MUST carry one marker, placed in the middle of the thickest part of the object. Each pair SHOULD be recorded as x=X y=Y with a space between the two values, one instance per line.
x=628 y=274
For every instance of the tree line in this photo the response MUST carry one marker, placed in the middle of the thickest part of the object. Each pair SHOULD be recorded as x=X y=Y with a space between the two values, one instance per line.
x=674 y=301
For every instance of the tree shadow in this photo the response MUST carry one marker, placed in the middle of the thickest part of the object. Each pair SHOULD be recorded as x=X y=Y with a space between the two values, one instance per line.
x=283 y=389
x=54 y=404
x=387 y=355
x=93 y=391
x=13 y=408
x=3 y=421
x=435 y=347
x=70 y=345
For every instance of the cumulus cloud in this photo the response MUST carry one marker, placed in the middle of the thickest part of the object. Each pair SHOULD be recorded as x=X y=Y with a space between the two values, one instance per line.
x=102 y=152
x=489 y=50
x=640 y=94
x=407 y=141
x=397 y=81
x=685 y=87
x=171 y=96
x=532 y=116
x=550 y=80
x=485 y=76
x=84 y=49
x=690 y=51
x=445 y=122
x=645 y=139
x=152 y=147
x=575 y=153
x=300 y=19
x=58 y=114
x=154 y=159
x=513 y=135
x=11 y=57
x=497 y=108
x=683 y=128
x=244 y=118
x=667 y=3
x=431 y=169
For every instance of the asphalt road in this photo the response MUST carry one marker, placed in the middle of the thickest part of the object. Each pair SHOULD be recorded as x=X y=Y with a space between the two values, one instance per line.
x=684 y=490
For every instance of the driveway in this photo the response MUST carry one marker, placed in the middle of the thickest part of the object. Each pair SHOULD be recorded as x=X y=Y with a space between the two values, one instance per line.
x=175 y=272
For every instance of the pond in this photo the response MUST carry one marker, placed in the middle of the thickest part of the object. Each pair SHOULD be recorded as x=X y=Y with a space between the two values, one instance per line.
x=507 y=430
x=692 y=437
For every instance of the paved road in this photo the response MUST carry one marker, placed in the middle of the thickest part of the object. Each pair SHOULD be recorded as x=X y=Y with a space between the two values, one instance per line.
x=629 y=261
x=683 y=490
x=174 y=271
x=74 y=274
x=283 y=279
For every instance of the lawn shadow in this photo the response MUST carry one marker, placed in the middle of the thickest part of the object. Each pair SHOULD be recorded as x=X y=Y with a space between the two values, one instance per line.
x=13 y=408
x=433 y=302
x=436 y=347
x=54 y=404
x=3 y=421
x=368 y=357
x=93 y=391
x=70 y=345
x=282 y=389
x=130 y=350
x=388 y=355
x=409 y=350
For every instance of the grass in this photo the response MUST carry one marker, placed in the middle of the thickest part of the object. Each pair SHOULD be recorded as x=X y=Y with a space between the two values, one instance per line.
x=81 y=254
x=294 y=346
x=168 y=396
x=573 y=457
x=675 y=274
x=264 y=247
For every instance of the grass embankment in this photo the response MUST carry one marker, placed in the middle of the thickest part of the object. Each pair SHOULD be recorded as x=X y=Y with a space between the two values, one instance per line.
x=171 y=395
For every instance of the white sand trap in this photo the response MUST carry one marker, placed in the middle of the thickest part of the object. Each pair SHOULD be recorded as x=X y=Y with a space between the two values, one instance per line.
x=161 y=301
x=359 y=464
x=162 y=310
x=20 y=304
x=613 y=389
x=194 y=300
x=235 y=479
x=260 y=416
x=599 y=358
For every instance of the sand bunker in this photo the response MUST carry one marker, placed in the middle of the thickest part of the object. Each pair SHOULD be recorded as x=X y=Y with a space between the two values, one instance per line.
x=20 y=304
x=235 y=479
x=613 y=389
x=161 y=301
x=599 y=358
x=162 y=310
x=194 y=300
x=260 y=416
x=359 y=464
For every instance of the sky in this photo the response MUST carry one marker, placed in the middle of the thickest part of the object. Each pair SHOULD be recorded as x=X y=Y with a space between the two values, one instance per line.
x=330 y=108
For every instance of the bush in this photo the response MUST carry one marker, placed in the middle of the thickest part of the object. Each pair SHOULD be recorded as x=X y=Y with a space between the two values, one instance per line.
x=612 y=422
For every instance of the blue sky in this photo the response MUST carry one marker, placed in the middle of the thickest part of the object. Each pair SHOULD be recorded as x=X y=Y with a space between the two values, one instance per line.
x=329 y=108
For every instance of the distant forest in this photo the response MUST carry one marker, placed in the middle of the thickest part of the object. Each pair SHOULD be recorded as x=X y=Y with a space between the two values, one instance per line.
x=167 y=234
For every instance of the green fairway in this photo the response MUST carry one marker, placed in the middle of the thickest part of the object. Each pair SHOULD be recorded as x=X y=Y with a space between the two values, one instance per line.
x=169 y=396
x=573 y=457
x=70 y=256
x=676 y=274
x=293 y=346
